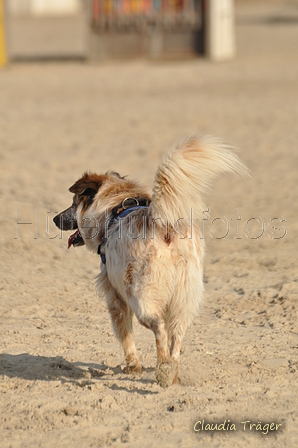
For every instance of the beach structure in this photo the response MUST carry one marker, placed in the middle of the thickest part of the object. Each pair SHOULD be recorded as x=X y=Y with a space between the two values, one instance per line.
x=3 y=54
x=100 y=29
x=155 y=28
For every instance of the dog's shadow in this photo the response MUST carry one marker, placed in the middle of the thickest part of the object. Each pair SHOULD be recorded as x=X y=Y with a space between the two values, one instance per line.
x=31 y=368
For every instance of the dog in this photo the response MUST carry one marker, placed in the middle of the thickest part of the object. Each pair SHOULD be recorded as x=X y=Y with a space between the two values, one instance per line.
x=151 y=254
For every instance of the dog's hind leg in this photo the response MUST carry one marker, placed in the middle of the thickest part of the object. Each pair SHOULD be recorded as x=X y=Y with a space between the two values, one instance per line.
x=121 y=316
x=165 y=370
x=176 y=348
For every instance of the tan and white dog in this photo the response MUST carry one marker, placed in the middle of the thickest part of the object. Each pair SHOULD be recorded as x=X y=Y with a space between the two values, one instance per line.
x=152 y=257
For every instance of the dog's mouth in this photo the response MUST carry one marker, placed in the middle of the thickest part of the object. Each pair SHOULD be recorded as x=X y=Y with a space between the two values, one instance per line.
x=75 y=240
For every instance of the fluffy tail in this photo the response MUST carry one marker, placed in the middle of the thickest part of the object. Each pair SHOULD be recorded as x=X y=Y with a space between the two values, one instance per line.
x=186 y=174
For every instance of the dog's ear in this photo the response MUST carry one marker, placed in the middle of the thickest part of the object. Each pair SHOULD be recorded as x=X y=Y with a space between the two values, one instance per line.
x=88 y=185
x=115 y=174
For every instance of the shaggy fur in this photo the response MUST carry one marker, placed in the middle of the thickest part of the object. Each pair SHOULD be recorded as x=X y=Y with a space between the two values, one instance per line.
x=154 y=257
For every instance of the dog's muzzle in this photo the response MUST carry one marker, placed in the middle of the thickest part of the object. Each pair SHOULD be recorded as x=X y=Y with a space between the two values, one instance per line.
x=67 y=220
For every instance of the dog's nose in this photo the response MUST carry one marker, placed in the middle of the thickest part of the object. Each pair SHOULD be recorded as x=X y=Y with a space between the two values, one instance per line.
x=56 y=220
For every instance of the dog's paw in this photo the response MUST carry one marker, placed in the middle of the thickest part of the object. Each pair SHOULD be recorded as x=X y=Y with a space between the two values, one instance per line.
x=166 y=374
x=134 y=369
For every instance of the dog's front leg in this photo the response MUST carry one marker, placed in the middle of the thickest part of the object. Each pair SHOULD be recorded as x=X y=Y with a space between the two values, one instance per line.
x=121 y=316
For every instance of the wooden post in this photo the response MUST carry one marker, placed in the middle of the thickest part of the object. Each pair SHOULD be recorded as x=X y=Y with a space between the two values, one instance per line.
x=3 y=53
x=220 y=29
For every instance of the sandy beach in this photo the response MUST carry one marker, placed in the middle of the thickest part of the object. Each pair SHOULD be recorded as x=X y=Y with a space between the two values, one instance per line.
x=62 y=382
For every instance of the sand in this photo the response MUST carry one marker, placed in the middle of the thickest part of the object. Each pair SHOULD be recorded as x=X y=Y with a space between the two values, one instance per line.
x=62 y=380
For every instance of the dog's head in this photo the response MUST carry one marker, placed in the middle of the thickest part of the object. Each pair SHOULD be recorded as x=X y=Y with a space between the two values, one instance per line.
x=94 y=198
x=84 y=191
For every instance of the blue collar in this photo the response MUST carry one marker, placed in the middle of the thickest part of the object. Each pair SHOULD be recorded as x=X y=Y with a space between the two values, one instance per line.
x=127 y=211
